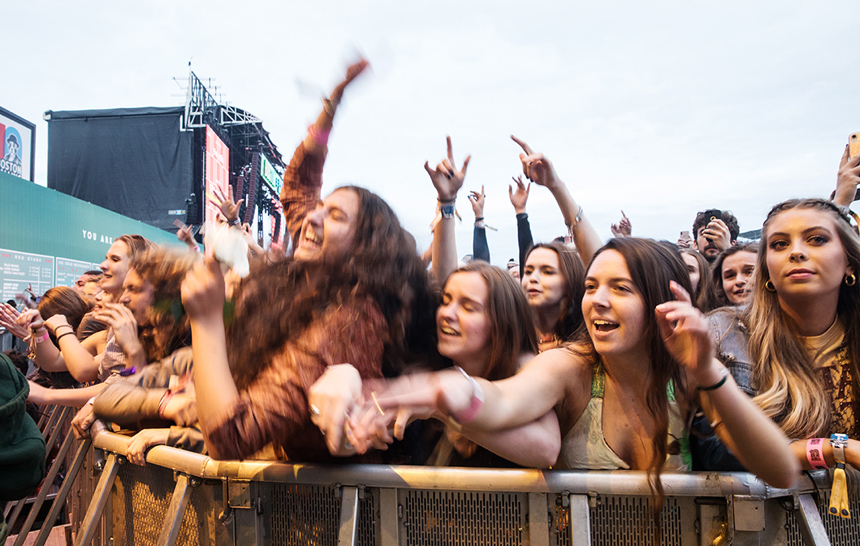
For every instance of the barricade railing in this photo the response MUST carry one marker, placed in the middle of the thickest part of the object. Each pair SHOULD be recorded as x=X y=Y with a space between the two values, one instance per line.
x=181 y=497
x=193 y=499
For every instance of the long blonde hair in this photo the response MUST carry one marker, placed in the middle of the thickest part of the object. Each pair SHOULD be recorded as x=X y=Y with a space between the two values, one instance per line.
x=791 y=392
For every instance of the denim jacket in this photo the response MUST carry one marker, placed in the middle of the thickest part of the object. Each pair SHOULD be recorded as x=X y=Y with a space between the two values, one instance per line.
x=732 y=344
x=732 y=340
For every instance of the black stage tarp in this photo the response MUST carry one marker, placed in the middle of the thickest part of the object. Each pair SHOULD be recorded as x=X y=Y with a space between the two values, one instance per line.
x=134 y=161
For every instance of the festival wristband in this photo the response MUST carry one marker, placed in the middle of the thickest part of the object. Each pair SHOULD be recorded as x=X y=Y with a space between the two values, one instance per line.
x=815 y=454
x=40 y=337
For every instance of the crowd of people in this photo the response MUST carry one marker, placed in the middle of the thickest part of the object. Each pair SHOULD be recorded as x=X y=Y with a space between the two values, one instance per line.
x=708 y=353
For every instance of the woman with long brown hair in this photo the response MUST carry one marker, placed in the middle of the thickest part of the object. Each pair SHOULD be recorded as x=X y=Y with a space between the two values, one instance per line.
x=354 y=291
x=623 y=393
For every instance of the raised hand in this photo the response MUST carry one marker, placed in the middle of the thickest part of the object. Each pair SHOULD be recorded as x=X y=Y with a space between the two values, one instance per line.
x=9 y=320
x=354 y=70
x=536 y=167
x=520 y=197
x=57 y=321
x=228 y=207
x=718 y=233
x=203 y=290
x=445 y=177
x=622 y=228
x=120 y=318
x=477 y=201
x=847 y=179
x=687 y=336
x=31 y=319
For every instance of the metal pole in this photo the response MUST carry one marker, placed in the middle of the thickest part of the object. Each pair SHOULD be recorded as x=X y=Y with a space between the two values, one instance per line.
x=60 y=500
x=97 y=505
x=43 y=491
x=811 y=526
x=580 y=521
x=348 y=517
x=175 y=512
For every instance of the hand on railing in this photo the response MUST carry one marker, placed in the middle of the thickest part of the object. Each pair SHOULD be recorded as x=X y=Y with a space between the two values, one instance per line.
x=83 y=420
x=142 y=441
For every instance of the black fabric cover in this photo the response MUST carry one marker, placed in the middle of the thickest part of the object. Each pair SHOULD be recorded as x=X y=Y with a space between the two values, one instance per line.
x=133 y=161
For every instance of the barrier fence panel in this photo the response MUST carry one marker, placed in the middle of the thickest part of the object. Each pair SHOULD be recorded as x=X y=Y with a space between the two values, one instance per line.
x=189 y=499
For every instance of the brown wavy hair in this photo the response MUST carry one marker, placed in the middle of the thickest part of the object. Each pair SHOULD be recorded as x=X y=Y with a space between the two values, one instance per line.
x=512 y=327
x=66 y=301
x=277 y=301
x=138 y=245
x=652 y=265
x=167 y=328
x=572 y=270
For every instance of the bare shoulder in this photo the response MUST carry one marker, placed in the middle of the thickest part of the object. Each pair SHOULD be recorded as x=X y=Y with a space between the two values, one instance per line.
x=570 y=365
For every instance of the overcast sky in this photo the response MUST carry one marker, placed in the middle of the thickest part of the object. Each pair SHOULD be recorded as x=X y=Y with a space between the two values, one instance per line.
x=657 y=108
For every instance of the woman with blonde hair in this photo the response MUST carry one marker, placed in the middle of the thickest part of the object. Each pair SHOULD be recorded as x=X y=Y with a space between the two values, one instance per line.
x=797 y=346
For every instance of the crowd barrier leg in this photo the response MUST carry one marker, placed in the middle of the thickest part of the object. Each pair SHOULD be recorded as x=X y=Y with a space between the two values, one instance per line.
x=175 y=512
x=58 y=427
x=348 y=516
x=58 y=414
x=63 y=494
x=97 y=504
x=52 y=420
x=811 y=526
x=389 y=521
x=538 y=520
x=43 y=492
x=580 y=521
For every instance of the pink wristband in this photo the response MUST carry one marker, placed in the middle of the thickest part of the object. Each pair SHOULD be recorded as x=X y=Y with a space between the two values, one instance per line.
x=814 y=454
x=41 y=338
x=475 y=405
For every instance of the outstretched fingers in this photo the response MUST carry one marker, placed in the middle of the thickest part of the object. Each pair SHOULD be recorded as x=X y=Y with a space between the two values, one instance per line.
x=526 y=148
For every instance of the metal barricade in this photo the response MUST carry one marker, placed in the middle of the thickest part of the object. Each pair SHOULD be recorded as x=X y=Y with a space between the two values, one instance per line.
x=186 y=498
x=189 y=499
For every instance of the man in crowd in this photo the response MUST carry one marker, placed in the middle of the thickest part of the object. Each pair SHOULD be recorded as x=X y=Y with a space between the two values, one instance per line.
x=714 y=231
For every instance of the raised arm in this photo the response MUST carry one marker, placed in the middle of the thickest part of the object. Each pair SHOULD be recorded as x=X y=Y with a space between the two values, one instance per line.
x=539 y=170
x=447 y=180
x=519 y=199
x=757 y=441
x=203 y=298
x=79 y=358
x=623 y=228
x=480 y=247
x=847 y=179
x=303 y=176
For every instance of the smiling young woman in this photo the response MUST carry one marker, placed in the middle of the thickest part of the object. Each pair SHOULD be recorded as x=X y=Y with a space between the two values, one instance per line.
x=732 y=278
x=623 y=393
x=797 y=346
